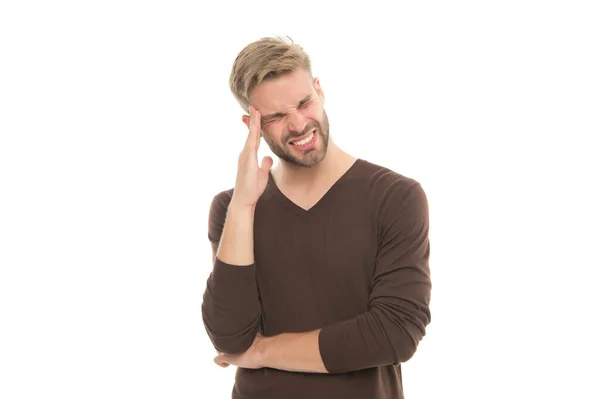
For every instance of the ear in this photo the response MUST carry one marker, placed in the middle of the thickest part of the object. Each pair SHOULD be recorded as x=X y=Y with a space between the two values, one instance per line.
x=246 y=120
x=317 y=85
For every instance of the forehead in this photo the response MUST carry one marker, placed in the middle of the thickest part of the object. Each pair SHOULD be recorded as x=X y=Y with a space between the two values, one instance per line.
x=282 y=92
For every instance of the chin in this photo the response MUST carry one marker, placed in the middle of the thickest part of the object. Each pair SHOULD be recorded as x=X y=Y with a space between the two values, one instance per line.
x=310 y=160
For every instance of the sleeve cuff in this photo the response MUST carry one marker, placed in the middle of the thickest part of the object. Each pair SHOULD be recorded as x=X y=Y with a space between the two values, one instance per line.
x=225 y=274
x=332 y=346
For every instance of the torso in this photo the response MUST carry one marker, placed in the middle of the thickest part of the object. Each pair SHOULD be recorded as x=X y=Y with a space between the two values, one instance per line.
x=315 y=259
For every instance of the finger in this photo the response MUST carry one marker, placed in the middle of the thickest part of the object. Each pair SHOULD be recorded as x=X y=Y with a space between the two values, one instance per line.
x=219 y=361
x=257 y=126
x=252 y=129
x=224 y=365
x=265 y=166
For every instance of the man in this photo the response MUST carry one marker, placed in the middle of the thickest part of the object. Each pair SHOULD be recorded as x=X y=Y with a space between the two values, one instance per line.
x=320 y=285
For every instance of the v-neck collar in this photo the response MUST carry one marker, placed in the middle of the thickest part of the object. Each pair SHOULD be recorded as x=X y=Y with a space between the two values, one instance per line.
x=297 y=209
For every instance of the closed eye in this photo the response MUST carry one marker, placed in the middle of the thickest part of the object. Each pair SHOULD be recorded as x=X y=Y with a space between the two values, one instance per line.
x=272 y=119
x=276 y=117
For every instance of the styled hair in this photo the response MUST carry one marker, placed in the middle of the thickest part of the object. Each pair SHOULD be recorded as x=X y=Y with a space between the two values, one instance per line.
x=265 y=59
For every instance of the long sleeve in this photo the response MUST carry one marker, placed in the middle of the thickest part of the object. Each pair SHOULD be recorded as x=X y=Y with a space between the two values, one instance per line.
x=231 y=308
x=398 y=312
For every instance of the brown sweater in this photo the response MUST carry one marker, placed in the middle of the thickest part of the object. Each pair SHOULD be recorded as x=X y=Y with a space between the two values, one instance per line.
x=356 y=265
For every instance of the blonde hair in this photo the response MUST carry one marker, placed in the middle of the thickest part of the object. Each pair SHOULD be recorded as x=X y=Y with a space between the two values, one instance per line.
x=264 y=59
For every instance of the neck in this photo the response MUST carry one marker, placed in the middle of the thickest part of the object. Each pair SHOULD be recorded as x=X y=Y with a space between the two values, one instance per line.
x=336 y=161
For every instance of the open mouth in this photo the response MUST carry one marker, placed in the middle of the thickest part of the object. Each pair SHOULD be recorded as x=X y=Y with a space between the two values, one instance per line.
x=305 y=141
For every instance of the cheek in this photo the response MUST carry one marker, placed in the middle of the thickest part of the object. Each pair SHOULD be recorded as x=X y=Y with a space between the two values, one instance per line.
x=315 y=113
x=271 y=137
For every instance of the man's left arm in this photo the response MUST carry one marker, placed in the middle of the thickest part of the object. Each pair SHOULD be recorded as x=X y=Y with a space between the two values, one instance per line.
x=390 y=331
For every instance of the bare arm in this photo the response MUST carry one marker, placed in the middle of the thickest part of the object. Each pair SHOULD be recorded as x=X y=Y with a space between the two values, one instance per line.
x=237 y=242
x=236 y=246
x=297 y=352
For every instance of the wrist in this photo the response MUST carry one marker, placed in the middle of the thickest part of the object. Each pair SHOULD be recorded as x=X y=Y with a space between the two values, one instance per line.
x=265 y=351
x=237 y=207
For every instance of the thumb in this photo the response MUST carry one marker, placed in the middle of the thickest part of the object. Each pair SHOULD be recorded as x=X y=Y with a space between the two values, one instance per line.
x=266 y=164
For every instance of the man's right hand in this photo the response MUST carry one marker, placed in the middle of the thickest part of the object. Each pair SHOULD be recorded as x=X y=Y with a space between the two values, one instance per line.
x=251 y=180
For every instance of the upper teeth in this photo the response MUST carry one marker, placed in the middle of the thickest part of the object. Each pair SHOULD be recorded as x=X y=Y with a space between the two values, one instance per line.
x=306 y=140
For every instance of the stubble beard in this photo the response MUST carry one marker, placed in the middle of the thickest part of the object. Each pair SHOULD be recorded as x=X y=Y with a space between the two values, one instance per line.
x=308 y=158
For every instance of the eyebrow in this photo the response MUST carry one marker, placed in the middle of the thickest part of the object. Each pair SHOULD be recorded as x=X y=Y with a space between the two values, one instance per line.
x=280 y=114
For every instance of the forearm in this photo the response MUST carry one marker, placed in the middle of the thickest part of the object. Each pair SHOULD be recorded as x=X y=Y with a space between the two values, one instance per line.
x=237 y=241
x=296 y=352
x=369 y=340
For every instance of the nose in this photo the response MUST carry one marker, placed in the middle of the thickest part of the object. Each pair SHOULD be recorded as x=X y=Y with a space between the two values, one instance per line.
x=296 y=121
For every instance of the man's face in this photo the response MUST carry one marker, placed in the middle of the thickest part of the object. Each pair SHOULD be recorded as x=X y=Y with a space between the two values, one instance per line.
x=294 y=123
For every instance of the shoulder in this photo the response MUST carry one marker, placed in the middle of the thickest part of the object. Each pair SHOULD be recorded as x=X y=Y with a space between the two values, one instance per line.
x=222 y=197
x=388 y=184
x=217 y=214
x=220 y=203
x=397 y=198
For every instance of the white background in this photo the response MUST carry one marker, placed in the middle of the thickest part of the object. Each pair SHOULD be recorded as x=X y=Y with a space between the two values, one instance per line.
x=117 y=128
